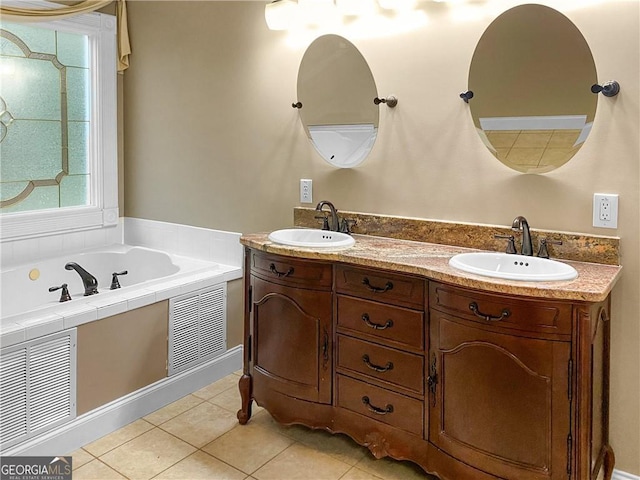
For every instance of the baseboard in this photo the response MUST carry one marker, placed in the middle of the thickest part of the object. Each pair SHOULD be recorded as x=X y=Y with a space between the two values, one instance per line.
x=619 y=475
x=114 y=415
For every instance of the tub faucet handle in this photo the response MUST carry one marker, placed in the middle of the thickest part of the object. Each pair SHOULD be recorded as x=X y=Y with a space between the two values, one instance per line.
x=64 y=296
x=114 y=280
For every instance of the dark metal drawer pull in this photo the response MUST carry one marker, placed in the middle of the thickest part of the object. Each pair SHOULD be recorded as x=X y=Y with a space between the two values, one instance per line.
x=387 y=286
x=473 y=306
x=377 y=410
x=377 y=368
x=376 y=326
x=275 y=271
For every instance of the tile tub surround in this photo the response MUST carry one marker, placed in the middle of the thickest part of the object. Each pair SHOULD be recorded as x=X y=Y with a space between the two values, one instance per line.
x=431 y=260
x=217 y=249
x=575 y=246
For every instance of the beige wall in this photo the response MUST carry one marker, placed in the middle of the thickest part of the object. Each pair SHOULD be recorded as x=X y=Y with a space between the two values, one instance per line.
x=211 y=140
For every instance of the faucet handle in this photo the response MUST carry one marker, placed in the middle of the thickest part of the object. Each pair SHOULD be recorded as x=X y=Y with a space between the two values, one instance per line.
x=114 y=279
x=543 y=251
x=325 y=221
x=511 y=244
x=64 y=296
x=346 y=224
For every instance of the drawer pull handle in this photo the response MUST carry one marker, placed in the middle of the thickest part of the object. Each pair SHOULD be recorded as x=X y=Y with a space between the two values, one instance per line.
x=387 y=286
x=376 y=326
x=275 y=271
x=377 y=410
x=377 y=368
x=473 y=306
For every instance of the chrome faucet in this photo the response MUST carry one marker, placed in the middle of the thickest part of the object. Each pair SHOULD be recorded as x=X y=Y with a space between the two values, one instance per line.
x=335 y=223
x=89 y=281
x=520 y=223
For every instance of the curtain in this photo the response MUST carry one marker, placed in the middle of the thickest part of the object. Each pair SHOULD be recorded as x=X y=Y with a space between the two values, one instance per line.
x=61 y=11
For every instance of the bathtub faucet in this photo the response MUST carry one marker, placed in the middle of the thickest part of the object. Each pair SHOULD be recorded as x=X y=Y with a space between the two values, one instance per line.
x=90 y=282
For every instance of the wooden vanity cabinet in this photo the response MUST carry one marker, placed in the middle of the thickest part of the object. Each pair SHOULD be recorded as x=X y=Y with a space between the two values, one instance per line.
x=469 y=385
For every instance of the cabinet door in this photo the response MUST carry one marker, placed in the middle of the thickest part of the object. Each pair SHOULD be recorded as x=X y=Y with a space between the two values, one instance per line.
x=499 y=401
x=292 y=340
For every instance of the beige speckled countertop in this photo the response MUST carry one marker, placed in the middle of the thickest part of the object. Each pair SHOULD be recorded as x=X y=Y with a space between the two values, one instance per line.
x=431 y=260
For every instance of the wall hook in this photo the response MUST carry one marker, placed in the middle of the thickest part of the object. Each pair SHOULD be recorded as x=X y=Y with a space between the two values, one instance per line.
x=297 y=105
x=609 y=89
x=391 y=101
x=466 y=96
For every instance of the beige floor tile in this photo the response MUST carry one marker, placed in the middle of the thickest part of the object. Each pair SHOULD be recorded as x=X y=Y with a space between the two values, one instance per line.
x=338 y=446
x=210 y=391
x=96 y=470
x=229 y=400
x=357 y=474
x=238 y=373
x=117 y=438
x=173 y=409
x=202 y=424
x=200 y=466
x=80 y=457
x=301 y=462
x=248 y=447
x=389 y=469
x=147 y=455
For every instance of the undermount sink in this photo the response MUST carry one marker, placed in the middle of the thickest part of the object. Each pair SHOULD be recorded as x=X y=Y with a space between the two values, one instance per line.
x=311 y=238
x=513 y=267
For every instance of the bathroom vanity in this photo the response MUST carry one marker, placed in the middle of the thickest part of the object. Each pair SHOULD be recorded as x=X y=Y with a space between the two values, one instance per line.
x=469 y=377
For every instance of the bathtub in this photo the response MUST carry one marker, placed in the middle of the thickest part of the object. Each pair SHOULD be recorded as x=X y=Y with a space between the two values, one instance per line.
x=29 y=310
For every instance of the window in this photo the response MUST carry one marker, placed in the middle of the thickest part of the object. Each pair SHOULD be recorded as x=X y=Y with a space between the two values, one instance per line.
x=58 y=139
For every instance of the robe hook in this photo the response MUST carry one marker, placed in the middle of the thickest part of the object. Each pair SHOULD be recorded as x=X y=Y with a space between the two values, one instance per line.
x=297 y=105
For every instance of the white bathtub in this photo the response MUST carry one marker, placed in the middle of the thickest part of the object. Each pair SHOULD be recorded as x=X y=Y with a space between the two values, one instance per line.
x=29 y=310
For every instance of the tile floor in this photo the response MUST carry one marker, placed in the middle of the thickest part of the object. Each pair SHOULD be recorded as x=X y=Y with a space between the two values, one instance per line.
x=198 y=437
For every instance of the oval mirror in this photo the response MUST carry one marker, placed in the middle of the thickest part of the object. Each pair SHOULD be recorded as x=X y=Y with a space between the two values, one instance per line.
x=531 y=76
x=336 y=89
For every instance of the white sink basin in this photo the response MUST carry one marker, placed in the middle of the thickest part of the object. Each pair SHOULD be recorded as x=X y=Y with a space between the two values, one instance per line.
x=513 y=267
x=311 y=238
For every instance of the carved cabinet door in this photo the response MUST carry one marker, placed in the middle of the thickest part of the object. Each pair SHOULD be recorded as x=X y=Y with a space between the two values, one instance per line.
x=291 y=340
x=500 y=401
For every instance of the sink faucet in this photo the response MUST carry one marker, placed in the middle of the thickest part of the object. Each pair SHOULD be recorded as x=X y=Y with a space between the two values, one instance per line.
x=335 y=223
x=520 y=223
x=90 y=282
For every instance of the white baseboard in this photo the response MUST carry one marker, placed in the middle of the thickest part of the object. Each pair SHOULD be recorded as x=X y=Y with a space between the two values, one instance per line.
x=112 y=416
x=619 y=475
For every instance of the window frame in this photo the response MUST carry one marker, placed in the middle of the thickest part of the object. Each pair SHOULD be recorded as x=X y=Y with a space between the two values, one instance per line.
x=103 y=146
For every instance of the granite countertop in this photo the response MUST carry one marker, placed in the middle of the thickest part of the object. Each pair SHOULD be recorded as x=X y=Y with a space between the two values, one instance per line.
x=431 y=260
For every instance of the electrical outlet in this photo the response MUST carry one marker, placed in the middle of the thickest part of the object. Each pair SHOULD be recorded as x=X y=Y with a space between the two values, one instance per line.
x=605 y=210
x=306 y=190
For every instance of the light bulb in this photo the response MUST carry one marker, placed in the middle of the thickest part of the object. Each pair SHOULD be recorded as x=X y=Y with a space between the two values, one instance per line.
x=281 y=14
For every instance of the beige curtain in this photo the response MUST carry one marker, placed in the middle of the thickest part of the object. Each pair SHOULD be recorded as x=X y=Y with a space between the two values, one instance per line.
x=56 y=12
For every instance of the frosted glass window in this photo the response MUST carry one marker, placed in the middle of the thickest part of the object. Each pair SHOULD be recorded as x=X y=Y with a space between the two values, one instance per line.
x=45 y=92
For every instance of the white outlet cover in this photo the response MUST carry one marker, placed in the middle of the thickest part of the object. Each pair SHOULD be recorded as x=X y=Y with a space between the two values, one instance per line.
x=612 y=200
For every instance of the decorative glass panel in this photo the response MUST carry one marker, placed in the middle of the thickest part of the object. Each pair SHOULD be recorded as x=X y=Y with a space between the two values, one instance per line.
x=45 y=92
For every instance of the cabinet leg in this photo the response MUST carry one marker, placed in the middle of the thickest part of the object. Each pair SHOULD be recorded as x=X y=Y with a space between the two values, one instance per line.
x=244 y=414
x=609 y=462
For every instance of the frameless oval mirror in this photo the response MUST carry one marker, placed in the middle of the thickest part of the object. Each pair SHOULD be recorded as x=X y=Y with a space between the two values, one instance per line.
x=336 y=89
x=531 y=76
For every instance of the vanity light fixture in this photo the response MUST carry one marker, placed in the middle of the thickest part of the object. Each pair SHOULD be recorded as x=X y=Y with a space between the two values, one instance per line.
x=397 y=4
x=281 y=14
x=609 y=89
x=318 y=12
x=356 y=7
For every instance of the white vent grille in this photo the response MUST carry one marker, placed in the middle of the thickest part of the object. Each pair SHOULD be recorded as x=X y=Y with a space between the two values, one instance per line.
x=197 y=327
x=38 y=380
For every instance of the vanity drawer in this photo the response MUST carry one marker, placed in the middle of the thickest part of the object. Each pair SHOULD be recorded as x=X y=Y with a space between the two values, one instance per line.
x=381 y=404
x=381 y=322
x=502 y=312
x=386 y=364
x=289 y=271
x=381 y=286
